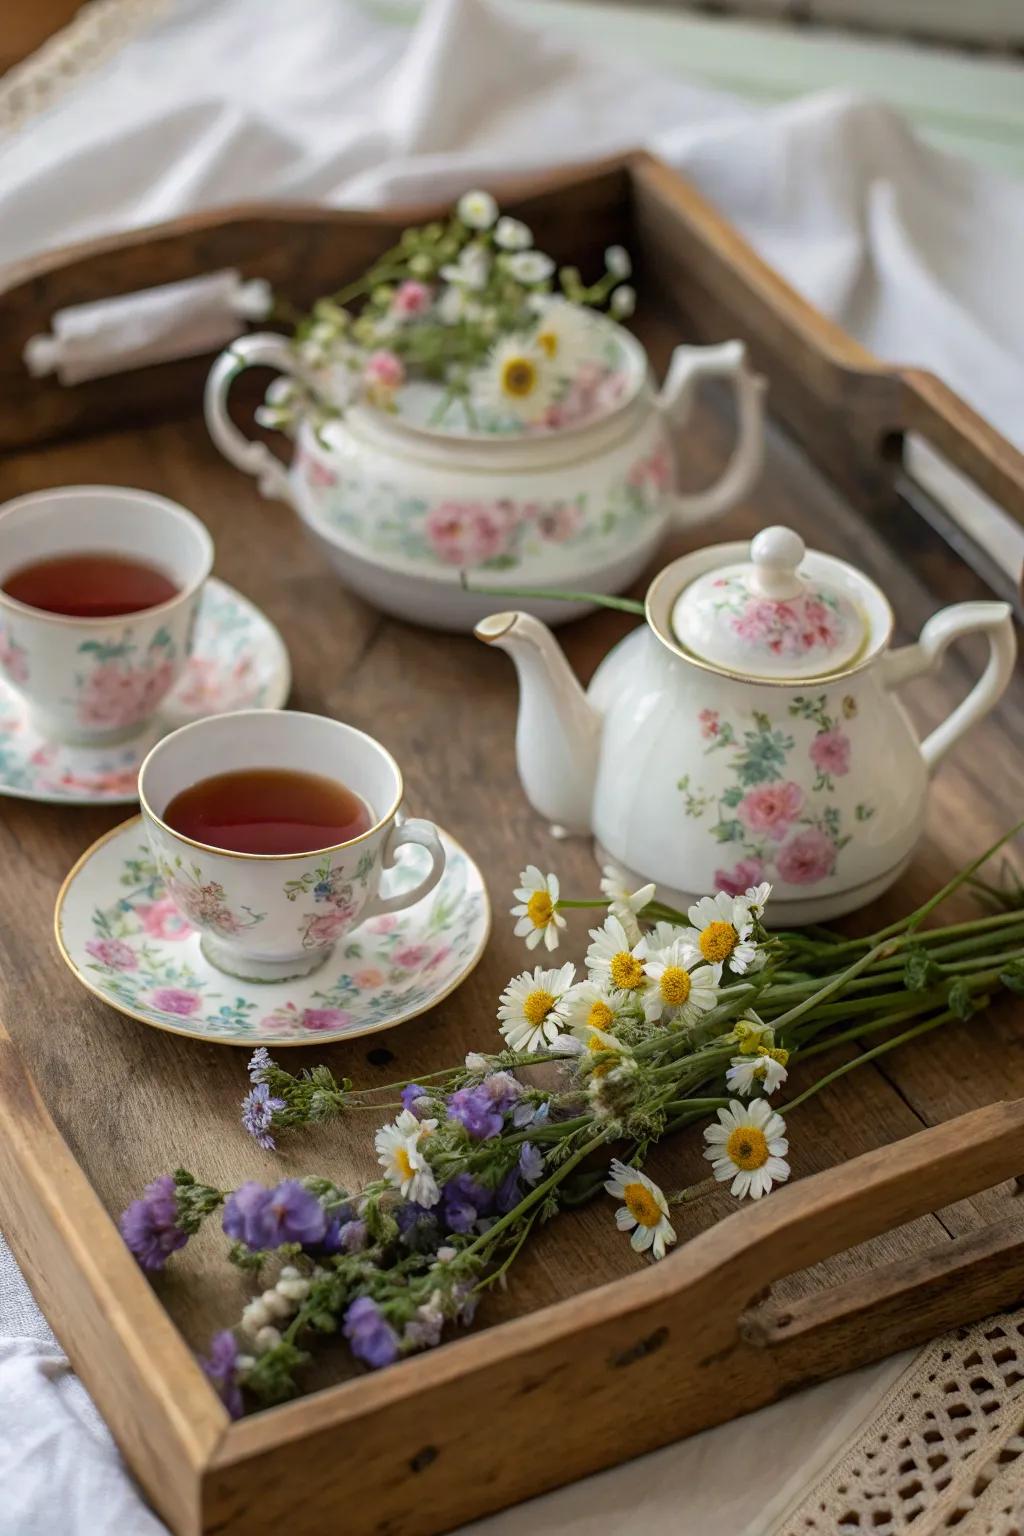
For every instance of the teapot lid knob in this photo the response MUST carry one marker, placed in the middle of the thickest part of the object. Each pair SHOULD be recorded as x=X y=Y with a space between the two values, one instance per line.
x=777 y=554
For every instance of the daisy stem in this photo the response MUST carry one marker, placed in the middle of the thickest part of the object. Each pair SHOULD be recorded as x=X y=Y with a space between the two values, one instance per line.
x=866 y=1056
x=835 y=984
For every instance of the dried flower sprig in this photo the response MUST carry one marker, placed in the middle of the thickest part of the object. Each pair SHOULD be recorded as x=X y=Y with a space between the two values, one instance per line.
x=679 y=1018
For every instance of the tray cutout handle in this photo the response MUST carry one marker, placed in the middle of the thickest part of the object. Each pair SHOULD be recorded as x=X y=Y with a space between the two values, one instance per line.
x=687 y=366
x=265 y=350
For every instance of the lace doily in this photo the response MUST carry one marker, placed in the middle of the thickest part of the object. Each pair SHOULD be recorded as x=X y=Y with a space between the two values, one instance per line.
x=943 y=1453
x=97 y=31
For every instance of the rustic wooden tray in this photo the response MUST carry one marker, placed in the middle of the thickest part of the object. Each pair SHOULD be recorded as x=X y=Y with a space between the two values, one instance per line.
x=589 y=1357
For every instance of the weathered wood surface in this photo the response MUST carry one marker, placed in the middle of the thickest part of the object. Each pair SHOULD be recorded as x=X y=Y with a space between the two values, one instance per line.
x=131 y=1102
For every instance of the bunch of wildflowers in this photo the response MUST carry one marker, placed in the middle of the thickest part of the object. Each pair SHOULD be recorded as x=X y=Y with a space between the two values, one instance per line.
x=467 y=303
x=674 y=1019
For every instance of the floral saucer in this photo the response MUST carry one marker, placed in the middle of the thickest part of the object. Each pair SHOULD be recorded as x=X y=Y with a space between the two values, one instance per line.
x=124 y=939
x=238 y=661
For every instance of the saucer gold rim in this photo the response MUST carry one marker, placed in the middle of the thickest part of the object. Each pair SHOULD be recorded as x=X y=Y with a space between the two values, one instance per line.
x=279 y=1043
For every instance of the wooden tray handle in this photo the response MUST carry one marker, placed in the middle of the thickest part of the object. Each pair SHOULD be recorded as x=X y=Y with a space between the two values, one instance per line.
x=817 y=1217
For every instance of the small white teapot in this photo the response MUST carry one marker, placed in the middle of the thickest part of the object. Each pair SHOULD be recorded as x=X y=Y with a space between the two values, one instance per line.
x=750 y=730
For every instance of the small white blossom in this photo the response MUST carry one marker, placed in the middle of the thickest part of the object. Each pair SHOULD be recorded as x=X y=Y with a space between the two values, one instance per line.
x=644 y=1210
x=725 y=932
x=616 y=259
x=529 y=266
x=471 y=270
x=400 y=1154
x=537 y=898
x=267 y=1338
x=477 y=1063
x=623 y=302
x=748 y=1146
x=766 y=1071
x=624 y=904
x=513 y=235
x=477 y=210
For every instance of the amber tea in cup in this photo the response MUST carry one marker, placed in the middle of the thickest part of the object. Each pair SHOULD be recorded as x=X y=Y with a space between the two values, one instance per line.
x=101 y=585
x=269 y=810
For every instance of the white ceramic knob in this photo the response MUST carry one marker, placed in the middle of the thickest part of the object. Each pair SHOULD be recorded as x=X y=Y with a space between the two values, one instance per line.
x=777 y=554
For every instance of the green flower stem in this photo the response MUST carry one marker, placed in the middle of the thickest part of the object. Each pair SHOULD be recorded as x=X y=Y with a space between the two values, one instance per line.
x=623 y=604
x=866 y=1056
x=858 y=1031
x=835 y=984
x=511 y=1257
x=483 y=1243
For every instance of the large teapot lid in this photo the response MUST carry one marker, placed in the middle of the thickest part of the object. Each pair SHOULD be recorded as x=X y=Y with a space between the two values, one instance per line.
x=780 y=615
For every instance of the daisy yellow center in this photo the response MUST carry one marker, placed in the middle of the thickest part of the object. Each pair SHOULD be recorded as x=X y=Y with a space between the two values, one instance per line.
x=626 y=971
x=537 y=1005
x=642 y=1204
x=674 y=985
x=540 y=909
x=747 y=1148
x=600 y=1016
x=548 y=342
x=519 y=377
x=718 y=941
x=596 y=1044
x=404 y=1163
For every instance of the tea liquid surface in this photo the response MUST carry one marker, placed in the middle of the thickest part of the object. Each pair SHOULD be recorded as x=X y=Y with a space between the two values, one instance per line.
x=269 y=810
x=90 y=586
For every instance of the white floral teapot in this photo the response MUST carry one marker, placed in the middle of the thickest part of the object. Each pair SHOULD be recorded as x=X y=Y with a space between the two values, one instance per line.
x=750 y=730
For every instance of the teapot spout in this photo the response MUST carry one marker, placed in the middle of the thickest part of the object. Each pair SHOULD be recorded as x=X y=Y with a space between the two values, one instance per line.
x=559 y=730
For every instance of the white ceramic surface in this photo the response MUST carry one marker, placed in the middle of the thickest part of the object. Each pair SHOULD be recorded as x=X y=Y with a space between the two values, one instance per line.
x=582 y=504
x=704 y=780
x=238 y=661
x=268 y=917
x=125 y=939
x=99 y=680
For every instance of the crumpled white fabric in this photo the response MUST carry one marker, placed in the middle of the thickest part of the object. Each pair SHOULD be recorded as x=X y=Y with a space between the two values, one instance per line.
x=916 y=253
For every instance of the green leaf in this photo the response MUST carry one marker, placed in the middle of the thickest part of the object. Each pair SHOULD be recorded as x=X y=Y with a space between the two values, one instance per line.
x=961 y=1003
x=919 y=970
x=1013 y=977
x=728 y=831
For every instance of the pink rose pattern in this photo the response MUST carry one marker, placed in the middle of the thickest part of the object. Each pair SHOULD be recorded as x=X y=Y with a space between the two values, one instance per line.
x=799 y=627
x=495 y=534
x=13 y=659
x=781 y=818
x=205 y=903
x=338 y=899
x=120 y=687
x=113 y=952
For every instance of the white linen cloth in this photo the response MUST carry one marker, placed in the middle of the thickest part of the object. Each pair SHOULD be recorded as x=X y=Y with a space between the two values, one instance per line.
x=917 y=254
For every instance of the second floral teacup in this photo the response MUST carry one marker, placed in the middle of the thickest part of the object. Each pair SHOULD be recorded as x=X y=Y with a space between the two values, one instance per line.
x=92 y=661
x=274 y=916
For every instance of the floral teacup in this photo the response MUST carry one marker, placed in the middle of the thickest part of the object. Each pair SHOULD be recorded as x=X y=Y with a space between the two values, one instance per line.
x=99 y=679
x=271 y=917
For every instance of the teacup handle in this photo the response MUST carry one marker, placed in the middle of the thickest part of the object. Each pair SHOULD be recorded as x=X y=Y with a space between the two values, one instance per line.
x=995 y=621
x=424 y=835
x=687 y=367
x=265 y=350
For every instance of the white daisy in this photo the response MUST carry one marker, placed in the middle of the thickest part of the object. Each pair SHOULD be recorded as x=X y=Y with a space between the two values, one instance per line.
x=662 y=935
x=616 y=259
x=756 y=898
x=527 y=1007
x=477 y=210
x=623 y=903
x=749 y=1146
x=471 y=270
x=766 y=1071
x=516 y=380
x=586 y=1006
x=529 y=266
x=680 y=989
x=564 y=335
x=612 y=960
x=513 y=235
x=724 y=927
x=623 y=302
x=644 y=1210
x=537 y=895
x=400 y=1154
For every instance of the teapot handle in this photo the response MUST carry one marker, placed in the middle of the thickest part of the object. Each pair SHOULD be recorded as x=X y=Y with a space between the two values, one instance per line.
x=687 y=367
x=993 y=620
x=265 y=350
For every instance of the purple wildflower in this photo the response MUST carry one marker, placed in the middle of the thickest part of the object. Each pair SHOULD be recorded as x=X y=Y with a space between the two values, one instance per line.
x=416 y=1100
x=336 y=1221
x=353 y=1236
x=417 y=1226
x=528 y=1113
x=531 y=1163
x=424 y=1328
x=220 y=1366
x=527 y=1170
x=463 y=1202
x=266 y=1218
x=371 y=1337
x=260 y=1063
x=150 y=1225
x=482 y=1109
x=258 y=1108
